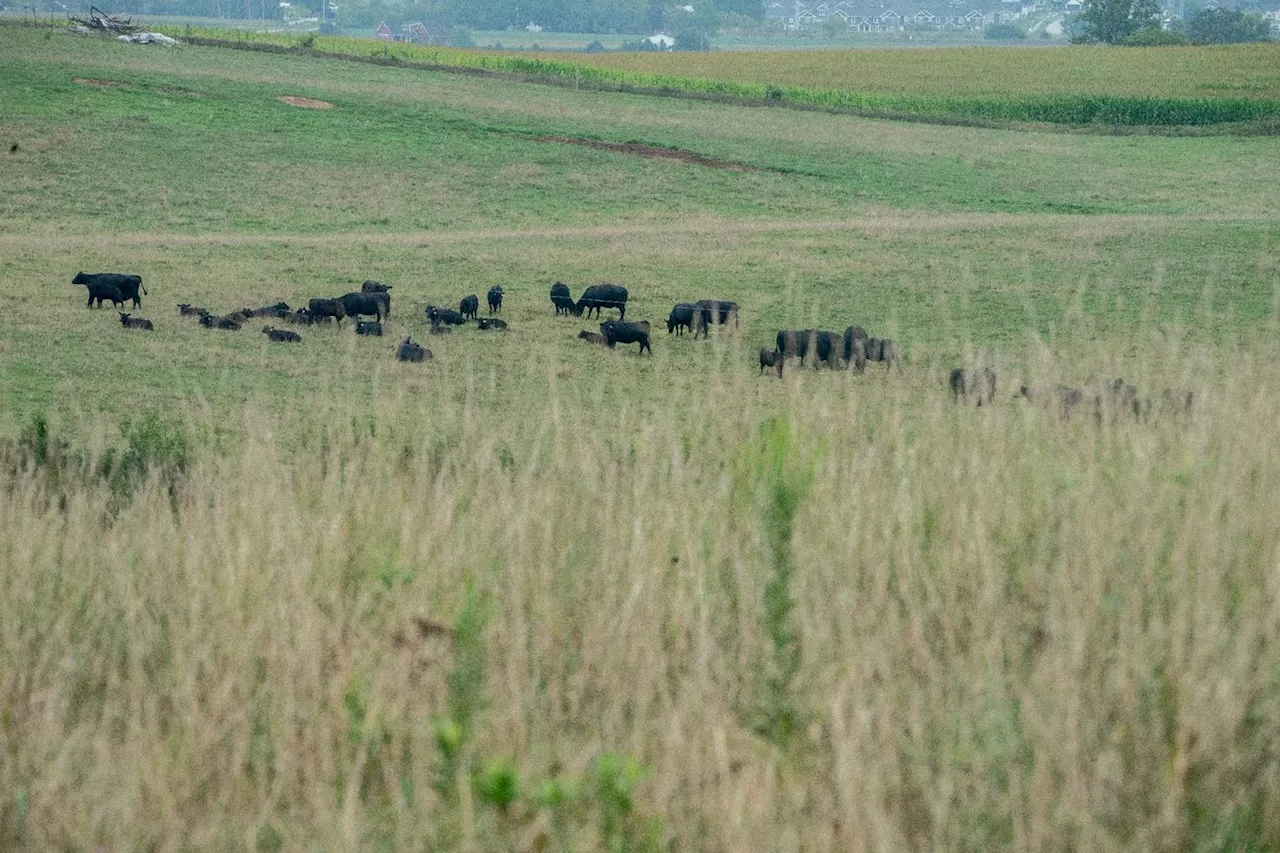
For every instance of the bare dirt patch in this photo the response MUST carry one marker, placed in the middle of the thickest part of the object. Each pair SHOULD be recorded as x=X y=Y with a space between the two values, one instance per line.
x=308 y=103
x=639 y=150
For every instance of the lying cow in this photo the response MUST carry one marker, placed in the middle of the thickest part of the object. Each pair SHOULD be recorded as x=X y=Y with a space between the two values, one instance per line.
x=281 y=335
x=487 y=323
x=438 y=329
x=409 y=351
x=186 y=309
x=128 y=285
x=591 y=337
x=131 y=322
x=367 y=328
x=209 y=321
x=618 y=332
x=447 y=316
x=279 y=310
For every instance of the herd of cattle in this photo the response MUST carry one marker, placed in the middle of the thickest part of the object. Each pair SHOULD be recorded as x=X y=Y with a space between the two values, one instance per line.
x=853 y=348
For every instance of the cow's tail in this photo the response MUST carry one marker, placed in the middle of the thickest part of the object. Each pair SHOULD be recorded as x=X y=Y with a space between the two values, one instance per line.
x=144 y=288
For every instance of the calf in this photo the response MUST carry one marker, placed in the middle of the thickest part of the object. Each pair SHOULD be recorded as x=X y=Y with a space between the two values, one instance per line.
x=327 y=308
x=771 y=358
x=591 y=337
x=105 y=291
x=128 y=285
x=279 y=310
x=469 y=307
x=375 y=287
x=283 y=336
x=563 y=300
x=492 y=323
x=368 y=328
x=186 y=309
x=444 y=315
x=211 y=322
x=618 y=332
x=495 y=299
x=131 y=322
x=409 y=351
x=437 y=329
x=981 y=383
x=681 y=317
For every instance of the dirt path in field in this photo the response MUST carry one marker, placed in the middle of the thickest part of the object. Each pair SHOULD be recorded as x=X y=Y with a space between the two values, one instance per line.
x=639 y=150
x=876 y=225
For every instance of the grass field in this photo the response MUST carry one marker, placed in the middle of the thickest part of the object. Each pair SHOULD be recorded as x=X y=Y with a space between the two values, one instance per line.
x=535 y=595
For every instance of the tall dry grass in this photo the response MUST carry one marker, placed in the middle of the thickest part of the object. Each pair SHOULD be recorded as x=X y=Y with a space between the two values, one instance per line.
x=1008 y=631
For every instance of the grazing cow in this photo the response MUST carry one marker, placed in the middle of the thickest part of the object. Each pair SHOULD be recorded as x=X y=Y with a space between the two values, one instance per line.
x=823 y=346
x=375 y=287
x=495 y=299
x=186 y=309
x=283 y=336
x=600 y=296
x=855 y=355
x=487 y=323
x=437 y=329
x=377 y=304
x=131 y=322
x=591 y=337
x=127 y=284
x=680 y=318
x=827 y=347
x=444 y=315
x=367 y=328
x=882 y=349
x=563 y=299
x=618 y=332
x=715 y=312
x=334 y=308
x=409 y=351
x=981 y=383
x=211 y=322
x=771 y=358
x=278 y=311
x=469 y=307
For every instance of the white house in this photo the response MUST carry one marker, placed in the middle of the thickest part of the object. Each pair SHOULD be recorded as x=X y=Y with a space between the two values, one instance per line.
x=661 y=41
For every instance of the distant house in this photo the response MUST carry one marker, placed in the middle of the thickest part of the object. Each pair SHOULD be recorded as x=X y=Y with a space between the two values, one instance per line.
x=924 y=18
x=662 y=41
x=383 y=32
x=775 y=10
x=1073 y=6
x=416 y=33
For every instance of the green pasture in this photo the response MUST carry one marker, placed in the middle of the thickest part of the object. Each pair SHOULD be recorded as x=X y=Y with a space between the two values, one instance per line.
x=182 y=166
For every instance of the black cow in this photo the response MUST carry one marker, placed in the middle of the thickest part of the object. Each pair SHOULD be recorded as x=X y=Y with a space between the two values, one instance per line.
x=855 y=356
x=375 y=287
x=591 y=337
x=364 y=328
x=105 y=291
x=563 y=299
x=823 y=346
x=211 y=322
x=600 y=296
x=794 y=343
x=771 y=358
x=980 y=383
x=127 y=284
x=618 y=332
x=131 y=322
x=437 y=329
x=1068 y=398
x=186 y=309
x=444 y=315
x=409 y=351
x=882 y=349
x=681 y=317
x=469 y=307
x=377 y=304
x=495 y=299
x=492 y=323
x=334 y=308
x=278 y=310
x=715 y=312
x=283 y=336
x=827 y=348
